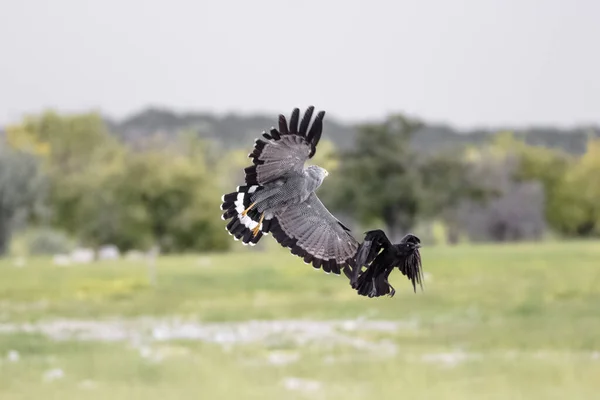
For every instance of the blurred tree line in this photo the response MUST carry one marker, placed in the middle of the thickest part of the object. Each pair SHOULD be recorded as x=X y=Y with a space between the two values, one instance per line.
x=230 y=130
x=101 y=191
x=76 y=175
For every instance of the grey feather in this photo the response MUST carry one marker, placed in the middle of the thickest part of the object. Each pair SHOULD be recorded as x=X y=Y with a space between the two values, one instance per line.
x=317 y=231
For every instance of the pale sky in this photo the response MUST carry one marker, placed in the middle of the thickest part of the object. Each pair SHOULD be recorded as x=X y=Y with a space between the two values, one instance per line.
x=467 y=63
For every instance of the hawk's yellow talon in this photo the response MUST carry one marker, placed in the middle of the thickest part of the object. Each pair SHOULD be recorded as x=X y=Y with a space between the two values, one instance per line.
x=247 y=209
x=257 y=229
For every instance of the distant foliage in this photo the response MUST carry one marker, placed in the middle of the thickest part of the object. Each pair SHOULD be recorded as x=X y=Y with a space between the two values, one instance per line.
x=513 y=211
x=577 y=197
x=47 y=241
x=234 y=132
x=22 y=189
x=383 y=178
x=516 y=215
x=103 y=191
x=378 y=178
x=570 y=184
x=156 y=179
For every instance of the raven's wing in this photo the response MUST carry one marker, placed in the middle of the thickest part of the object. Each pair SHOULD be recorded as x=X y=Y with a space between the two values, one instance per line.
x=412 y=268
x=374 y=242
x=313 y=233
x=285 y=150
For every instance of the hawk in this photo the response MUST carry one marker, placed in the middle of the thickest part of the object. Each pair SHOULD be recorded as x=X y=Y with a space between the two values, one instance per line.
x=279 y=198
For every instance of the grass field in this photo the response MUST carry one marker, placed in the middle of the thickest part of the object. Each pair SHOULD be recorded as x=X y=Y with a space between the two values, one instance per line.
x=494 y=322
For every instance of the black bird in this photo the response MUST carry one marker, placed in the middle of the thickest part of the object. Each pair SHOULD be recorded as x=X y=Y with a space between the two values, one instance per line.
x=380 y=257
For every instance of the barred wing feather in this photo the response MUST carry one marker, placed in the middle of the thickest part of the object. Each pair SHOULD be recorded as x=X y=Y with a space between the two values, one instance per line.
x=313 y=233
x=282 y=151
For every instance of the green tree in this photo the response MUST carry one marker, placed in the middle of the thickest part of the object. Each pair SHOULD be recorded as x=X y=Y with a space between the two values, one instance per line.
x=158 y=191
x=554 y=170
x=72 y=149
x=379 y=179
x=449 y=179
x=384 y=179
x=171 y=191
x=577 y=205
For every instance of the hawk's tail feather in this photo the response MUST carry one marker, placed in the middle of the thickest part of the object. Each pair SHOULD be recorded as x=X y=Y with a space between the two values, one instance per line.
x=250 y=175
x=327 y=265
x=241 y=226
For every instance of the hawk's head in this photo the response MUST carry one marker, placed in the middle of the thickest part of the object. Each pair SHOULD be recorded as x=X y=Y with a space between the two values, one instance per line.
x=317 y=173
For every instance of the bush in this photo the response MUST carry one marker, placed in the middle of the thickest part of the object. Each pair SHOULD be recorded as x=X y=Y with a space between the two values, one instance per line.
x=47 y=241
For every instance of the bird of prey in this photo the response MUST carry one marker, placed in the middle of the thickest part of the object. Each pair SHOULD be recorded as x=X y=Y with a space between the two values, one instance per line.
x=279 y=198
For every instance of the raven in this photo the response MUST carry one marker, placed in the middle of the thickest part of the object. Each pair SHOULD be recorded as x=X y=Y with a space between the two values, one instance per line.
x=380 y=256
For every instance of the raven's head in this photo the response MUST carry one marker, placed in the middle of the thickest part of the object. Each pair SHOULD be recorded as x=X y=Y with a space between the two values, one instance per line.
x=409 y=244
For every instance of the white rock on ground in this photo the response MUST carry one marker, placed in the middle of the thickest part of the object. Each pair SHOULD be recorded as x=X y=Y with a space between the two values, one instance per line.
x=109 y=252
x=302 y=385
x=82 y=256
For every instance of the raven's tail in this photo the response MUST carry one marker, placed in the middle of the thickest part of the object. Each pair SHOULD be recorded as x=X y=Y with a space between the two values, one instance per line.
x=374 y=242
x=242 y=226
x=373 y=282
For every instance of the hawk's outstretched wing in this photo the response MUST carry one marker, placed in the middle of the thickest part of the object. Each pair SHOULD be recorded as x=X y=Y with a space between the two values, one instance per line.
x=287 y=149
x=313 y=233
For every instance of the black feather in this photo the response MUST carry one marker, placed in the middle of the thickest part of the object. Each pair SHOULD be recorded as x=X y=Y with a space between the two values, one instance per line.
x=256 y=238
x=347 y=271
x=267 y=225
x=275 y=134
x=231 y=224
x=283 y=127
x=317 y=263
x=251 y=179
x=288 y=242
x=326 y=266
x=294 y=121
x=305 y=121
x=247 y=236
x=334 y=267
x=238 y=229
x=314 y=135
x=230 y=213
x=257 y=161
x=230 y=197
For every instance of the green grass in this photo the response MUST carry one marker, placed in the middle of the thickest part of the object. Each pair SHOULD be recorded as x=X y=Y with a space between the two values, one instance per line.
x=526 y=317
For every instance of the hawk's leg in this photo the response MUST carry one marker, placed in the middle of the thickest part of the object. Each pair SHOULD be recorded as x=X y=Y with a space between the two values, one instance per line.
x=248 y=209
x=257 y=229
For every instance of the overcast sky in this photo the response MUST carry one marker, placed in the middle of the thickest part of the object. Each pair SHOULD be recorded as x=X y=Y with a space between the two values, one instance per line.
x=468 y=63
